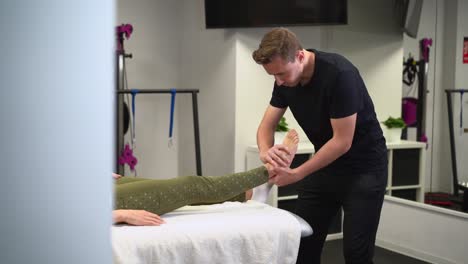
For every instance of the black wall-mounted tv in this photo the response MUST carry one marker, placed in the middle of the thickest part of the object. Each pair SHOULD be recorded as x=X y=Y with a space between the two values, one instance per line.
x=272 y=13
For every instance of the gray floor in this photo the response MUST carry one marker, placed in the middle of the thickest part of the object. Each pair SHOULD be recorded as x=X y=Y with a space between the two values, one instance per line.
x=333 y=254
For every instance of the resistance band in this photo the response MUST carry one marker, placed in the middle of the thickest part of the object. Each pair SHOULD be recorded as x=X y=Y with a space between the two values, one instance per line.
x=171 y=122
x=134 y=93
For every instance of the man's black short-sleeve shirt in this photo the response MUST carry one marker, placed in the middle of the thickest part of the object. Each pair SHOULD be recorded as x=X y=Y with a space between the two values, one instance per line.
x=336 y=90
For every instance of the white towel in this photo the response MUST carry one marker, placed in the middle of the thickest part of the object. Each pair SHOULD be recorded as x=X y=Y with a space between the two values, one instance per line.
x=231 y=232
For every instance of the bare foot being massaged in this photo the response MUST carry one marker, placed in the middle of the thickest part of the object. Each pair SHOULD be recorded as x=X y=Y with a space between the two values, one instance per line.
x=135 y=197
x=280 y=156
x=285 y=152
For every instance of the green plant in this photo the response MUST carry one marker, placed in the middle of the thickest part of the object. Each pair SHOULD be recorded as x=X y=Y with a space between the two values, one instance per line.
x=282 y=125
x=394 y=122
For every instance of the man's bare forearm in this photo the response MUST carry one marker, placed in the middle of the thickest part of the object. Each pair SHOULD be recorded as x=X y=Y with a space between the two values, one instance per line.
x=265 y=138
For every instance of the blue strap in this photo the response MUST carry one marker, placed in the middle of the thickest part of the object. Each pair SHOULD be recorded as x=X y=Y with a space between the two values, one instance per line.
x=134 y=93
x=173 y=94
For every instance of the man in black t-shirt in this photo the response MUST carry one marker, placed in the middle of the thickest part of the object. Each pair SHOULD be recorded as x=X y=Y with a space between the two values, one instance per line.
x=329 y=100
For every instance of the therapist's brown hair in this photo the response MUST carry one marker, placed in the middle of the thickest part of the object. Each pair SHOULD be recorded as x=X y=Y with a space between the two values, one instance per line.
x=277 y=42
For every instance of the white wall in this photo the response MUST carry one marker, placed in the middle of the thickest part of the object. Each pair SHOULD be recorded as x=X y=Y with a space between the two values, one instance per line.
x=234 y=91
x=444 y=22
x=441 y=173
x=155 y=45
x=432 y=12
x=373 y=42
x=57 y=131
x=172 y=48
x=209 y=65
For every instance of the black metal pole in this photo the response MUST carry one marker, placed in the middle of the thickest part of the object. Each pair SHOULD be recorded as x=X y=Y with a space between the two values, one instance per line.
x=119 y=111
x=421 y=100
x=465 y=200
x=452 y=143
x=456 y=90
x=158 y=91
x=196 y=129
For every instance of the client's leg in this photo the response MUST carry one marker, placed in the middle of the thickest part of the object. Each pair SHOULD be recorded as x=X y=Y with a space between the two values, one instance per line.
x=162 y=196
x=127 y=179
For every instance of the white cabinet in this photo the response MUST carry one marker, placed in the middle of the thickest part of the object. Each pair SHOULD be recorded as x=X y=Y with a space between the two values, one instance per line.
x=405 y=171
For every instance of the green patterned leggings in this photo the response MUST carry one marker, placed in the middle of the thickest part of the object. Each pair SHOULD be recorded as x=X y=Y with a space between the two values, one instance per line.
x=165 y=195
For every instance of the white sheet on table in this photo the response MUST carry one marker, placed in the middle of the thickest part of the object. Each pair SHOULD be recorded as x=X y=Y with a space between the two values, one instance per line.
x=231 y=232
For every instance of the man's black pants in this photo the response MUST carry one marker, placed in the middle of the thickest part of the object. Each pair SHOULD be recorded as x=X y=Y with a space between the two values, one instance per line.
x=361 y=196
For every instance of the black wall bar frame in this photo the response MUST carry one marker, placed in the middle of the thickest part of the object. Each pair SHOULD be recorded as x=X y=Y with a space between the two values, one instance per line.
x=456 y=185
x=196 y=126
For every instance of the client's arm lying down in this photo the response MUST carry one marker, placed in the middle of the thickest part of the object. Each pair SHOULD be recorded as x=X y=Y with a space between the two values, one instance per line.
x=135 y=217
x=145 y=218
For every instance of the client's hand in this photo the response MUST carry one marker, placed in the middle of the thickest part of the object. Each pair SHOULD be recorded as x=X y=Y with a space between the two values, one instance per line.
x=137 y=217
x=116 y=176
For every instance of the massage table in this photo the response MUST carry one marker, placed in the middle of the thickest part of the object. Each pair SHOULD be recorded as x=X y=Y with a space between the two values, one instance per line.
x=231 y=232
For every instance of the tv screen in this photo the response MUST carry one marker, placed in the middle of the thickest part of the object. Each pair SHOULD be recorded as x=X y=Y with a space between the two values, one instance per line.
x=412 y=17
x=271 y=13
